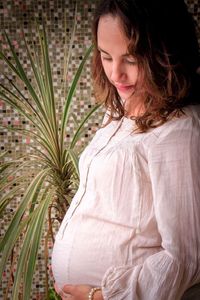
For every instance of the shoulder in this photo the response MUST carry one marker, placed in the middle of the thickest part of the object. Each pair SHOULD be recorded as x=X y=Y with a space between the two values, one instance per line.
x=178 y=128
x=177 y=135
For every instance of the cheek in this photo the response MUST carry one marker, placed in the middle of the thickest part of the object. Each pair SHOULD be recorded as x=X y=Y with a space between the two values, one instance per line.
x=133 y=74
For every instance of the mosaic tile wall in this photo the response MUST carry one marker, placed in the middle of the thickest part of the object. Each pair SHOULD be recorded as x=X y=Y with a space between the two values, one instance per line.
x=58 y=16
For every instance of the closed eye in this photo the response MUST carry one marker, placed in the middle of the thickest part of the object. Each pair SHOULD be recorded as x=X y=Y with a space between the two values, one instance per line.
x=126 y=61
x=131 y=62
x=107 y=58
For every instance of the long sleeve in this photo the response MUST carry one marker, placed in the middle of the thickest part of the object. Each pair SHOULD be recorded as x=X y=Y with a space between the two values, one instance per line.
x=174 y=171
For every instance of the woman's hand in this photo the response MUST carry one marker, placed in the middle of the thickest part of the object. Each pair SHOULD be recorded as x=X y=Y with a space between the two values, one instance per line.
x=77 y=292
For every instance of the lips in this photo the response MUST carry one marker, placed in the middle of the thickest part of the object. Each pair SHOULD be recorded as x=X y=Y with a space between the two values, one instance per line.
x=124 y=88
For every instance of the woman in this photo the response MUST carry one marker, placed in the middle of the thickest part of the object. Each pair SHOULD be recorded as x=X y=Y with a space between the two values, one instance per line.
x=132 y=230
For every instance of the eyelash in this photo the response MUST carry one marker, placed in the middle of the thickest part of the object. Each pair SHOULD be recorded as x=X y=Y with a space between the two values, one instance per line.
x=127 y=61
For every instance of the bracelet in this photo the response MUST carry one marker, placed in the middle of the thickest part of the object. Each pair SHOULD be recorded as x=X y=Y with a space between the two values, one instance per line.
x=92 y=291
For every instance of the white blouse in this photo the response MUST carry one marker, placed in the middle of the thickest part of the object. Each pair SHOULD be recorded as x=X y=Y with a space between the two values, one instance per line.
x=133 y=227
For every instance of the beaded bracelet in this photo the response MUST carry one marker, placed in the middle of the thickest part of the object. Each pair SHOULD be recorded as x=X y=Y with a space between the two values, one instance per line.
x=92 y=291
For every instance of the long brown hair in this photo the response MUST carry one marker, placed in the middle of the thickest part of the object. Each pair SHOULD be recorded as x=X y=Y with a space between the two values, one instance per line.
x=166 y=50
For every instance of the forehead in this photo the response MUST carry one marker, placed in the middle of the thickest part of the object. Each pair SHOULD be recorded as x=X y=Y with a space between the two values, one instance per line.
x=111 y=36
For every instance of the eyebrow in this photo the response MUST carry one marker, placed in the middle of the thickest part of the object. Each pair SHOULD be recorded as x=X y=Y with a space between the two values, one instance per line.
x=123 y=55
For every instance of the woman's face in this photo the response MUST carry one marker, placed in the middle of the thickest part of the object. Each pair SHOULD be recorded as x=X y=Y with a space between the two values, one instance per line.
x=120 y=67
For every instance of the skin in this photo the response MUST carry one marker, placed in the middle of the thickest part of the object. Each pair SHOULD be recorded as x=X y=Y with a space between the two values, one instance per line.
x=78 y=292
x=121 y=70
x=120 y=67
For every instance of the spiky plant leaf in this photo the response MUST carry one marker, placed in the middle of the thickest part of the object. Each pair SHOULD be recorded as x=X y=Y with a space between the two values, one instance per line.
x=48 y=176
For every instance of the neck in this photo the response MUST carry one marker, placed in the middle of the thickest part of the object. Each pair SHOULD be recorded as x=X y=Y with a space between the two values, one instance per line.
x=133 y=108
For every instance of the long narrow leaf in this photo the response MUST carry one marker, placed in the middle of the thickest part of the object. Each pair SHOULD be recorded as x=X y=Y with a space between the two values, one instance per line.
x=31 y=90
x=24 y=77
x=37 y=72
x=50 y=93
x=70 y=96
x=30 y=193
x=11 y=66
x=3 y=154
x=48 y=76
x=5 y=166
x=17 y=167
x=70 y=49
x=9 y=246
x=15 y=106
x=54 y=164
x=5 y=200
x=31 y=115
x=30 y=248
x=84 y=120
x=74 y=160
x=5 y=183
x=38 y=222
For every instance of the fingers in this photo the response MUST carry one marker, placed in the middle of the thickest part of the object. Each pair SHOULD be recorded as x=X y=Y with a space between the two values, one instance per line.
x=69 y=289
x=62 y=293
x=65 y=296
x=57 y=289
x=73 y=292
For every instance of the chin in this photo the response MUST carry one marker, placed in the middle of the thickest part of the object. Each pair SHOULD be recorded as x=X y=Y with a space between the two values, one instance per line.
x=125 y=96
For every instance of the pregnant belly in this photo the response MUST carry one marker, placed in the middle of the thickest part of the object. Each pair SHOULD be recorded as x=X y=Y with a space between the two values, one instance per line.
x=83 y=253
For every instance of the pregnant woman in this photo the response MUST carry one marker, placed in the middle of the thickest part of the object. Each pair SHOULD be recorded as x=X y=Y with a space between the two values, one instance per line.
x=133 y=228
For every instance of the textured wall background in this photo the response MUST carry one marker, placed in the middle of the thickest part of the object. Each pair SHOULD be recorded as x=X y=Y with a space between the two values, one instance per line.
x=16 y=15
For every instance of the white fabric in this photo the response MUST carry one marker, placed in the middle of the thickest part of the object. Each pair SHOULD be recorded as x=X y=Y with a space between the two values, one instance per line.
x=133 y=226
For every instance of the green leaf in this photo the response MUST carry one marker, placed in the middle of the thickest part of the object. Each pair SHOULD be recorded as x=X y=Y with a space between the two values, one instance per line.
x=74 y=160
x=5 y=200
x=76 y=136
x=29 y=196
x=9 y=246
x=72 y=89
x=20 y=72
x=33 y=238
x=53 y=163
x=3 y=154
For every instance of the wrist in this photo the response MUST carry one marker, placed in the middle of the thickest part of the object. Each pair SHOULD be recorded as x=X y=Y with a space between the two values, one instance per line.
x=95 y=294
x=98 y=295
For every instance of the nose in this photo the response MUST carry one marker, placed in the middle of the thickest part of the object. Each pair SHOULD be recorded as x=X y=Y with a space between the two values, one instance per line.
x=117 y=72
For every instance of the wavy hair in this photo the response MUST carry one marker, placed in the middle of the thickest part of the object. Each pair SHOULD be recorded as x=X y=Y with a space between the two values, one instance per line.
x=163 y=40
